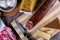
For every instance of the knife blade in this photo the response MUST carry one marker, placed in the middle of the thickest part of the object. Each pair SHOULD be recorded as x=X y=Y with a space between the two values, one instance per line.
x=23 y=31
x=2 y=25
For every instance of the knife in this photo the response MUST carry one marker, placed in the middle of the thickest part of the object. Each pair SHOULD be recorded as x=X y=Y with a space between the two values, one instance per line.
x=23 y=31
x=2 y=25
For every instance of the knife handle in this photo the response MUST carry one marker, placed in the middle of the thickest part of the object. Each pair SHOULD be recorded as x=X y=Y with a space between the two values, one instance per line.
x=0 y=14
x=28 y=36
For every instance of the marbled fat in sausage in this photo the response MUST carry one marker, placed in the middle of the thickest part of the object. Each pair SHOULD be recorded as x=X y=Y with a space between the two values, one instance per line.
x=40 y=13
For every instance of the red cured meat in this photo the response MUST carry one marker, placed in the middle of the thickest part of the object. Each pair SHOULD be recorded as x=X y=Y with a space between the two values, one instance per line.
x=40 y=13
x=6 y=34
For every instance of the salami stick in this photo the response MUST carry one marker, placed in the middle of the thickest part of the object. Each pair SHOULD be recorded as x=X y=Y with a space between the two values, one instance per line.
x=40 y=14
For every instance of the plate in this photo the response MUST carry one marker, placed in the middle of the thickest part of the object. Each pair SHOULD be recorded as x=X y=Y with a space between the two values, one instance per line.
x=7 y=5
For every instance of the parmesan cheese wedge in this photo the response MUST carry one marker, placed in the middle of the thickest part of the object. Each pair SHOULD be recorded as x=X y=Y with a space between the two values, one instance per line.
x=43 y=35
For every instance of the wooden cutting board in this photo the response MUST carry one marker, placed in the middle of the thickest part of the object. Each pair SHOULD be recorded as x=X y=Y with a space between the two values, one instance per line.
x=50 y=16
x=59 y=18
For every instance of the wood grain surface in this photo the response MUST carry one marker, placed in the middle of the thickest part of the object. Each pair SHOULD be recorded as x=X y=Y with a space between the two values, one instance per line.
x=48 y=18
x=14 y=11
x=24 y=18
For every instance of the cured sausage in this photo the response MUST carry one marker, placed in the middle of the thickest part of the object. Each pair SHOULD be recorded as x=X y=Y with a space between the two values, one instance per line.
x=40 y=14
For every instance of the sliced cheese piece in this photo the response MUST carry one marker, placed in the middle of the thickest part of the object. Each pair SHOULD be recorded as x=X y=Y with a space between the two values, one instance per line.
x=43 y=35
